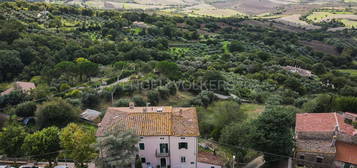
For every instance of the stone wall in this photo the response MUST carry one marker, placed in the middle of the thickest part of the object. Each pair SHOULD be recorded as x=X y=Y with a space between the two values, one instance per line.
x=347 y=138
x=310 y=160
x=315 y=135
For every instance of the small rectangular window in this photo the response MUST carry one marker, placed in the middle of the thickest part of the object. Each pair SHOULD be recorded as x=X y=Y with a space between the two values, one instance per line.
x=183 y=159
x=143 y=160
x=302 y=157
x=212 y=166
x=319 y=159
x=164 y=148
x=183 y=145
x=162 y=138
x=183 y=138
x=141 y=137
x=192 y=162
x=141 y=146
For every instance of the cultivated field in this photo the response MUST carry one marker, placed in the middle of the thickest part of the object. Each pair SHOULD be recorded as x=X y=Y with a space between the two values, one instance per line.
x=251 y=7
x=353 y=72
x=294 y=20
x=327 y=16
x=209 y=10
x=319 y=46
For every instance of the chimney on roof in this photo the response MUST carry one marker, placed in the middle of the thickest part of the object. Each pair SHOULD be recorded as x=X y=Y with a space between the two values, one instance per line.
x=145 y=109
x=159 y=109
x=180 y=112
x=131 y=105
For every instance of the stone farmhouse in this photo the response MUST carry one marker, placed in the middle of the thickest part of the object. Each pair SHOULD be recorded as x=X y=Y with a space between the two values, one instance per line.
x=326 y=140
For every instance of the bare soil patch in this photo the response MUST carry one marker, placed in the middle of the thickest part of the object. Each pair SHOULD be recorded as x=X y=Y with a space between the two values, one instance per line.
x=294 y=20
x=274 y=25
x=251 y=7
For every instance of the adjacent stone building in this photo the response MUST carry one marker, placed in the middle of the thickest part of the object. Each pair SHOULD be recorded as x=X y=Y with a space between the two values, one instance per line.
x=326 y=140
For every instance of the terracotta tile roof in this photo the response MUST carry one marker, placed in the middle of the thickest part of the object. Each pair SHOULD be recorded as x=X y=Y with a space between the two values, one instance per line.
x=315 y=146
x=345 y=128
x=352 y=114
x=149 y=122
x=346 y=152
x=322 y=122
x=210 y=158
x=25 y=86
x=6 y=92
x=315 y=122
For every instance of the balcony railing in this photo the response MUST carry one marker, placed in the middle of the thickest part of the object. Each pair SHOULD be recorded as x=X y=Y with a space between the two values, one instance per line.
x=162 y=154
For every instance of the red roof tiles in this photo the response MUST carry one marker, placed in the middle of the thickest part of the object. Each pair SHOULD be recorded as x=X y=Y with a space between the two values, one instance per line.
x=322 y=122
x=152 y=121
x=315 y=122
x=23 y=86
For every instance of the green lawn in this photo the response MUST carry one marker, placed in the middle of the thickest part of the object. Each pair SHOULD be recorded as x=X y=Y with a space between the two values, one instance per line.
x=348 y=1
x=318 y=16
x=353 y=72
x=180 y=99
x=4 y=86
x=253 y=110
x=349 y=23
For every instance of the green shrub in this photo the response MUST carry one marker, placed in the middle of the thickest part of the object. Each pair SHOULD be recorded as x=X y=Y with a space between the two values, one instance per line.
x=164 y=92
x=153 y=97
x=139 y=101
x=56 y=113
x=90 y=100
x=172 y=87
x=64 y=87
x=25 y=109
x=354 y=123
x=73 y=93
x=122 y=103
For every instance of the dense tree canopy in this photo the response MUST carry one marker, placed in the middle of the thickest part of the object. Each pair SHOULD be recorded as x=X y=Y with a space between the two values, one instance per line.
x=78 y=143
x=56 y=113
x=44 y=144
x=11 y=139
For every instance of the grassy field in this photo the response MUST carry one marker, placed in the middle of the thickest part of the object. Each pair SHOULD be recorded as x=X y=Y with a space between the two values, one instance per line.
x=318 y=16
x=353 y=72
x=4 y=86
x=253 y=110
x=349 y=23
x=180 y=99
x=294 y=20
x=209 y=10
x=347 y=18
x=350 y=1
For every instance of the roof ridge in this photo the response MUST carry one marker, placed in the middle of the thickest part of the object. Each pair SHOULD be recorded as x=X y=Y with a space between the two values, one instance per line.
x=337 y=123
